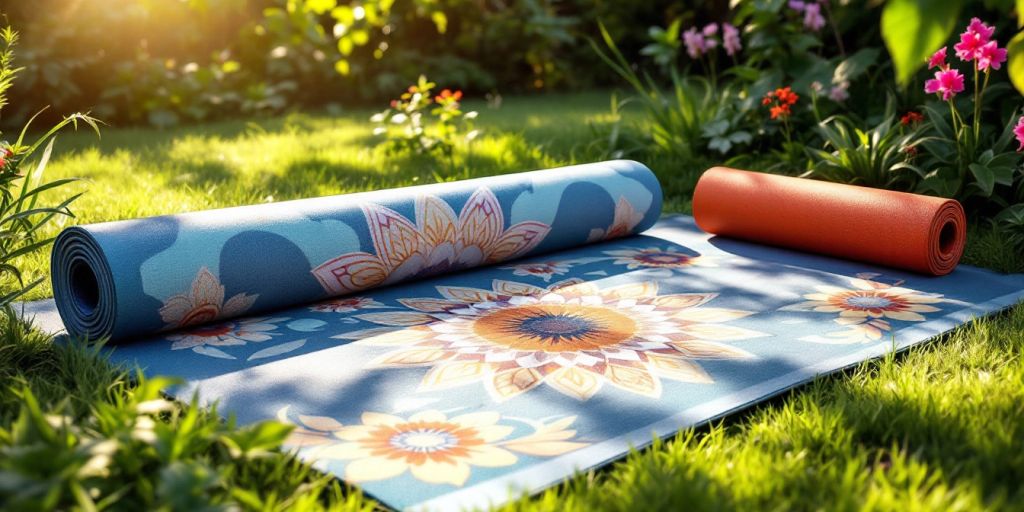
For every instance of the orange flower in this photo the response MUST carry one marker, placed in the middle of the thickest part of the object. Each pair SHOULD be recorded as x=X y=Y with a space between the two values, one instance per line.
x=780 y=100
x=779 y=111
x=786 y=96
x=447 y=95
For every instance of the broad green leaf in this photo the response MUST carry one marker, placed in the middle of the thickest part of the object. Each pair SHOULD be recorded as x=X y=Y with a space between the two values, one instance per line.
x=1015 y=60
x=986 y=178
x=914 y=29
x=855 y=65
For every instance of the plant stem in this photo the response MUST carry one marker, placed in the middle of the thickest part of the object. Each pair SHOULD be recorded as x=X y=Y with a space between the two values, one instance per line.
x=835 y=29
x=977 y=104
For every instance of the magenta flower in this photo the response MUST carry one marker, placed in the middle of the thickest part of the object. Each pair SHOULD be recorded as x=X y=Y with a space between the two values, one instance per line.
x=947 y=82
x=991 y=56
x=1018 y=131
x=812 y=17
x=938 y=59
x=973 y=39
x=979 y=27
x=710 y=30
x=731 y=39
x=797 y=5
x=694 y=42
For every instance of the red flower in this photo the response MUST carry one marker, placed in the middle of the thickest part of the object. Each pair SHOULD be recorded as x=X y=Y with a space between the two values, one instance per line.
x=394 y=103
x=786 y=96
x=781 y=100
x=911 y=118
x=7 y=153
x=911 y=151
x=779 y=111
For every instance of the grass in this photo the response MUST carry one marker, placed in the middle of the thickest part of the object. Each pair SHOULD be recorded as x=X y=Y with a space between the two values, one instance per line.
x=937 y=427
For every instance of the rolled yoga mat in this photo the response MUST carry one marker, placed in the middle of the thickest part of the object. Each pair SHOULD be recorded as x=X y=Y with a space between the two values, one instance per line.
x=135 y=277
x=896 y=229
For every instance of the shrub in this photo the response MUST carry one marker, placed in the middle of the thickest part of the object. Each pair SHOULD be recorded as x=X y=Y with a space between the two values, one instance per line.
x=422 y=123
x=881 y=156
x=22 y=213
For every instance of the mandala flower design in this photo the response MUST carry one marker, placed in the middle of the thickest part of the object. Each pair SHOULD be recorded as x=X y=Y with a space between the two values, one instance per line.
x=654 y=257
x=203 y=303
x=867 y=307
x=429 y=445
x=544 y=270
x=438 y=242
x=571 y=336
x=346 y=305
x=202 y=340
x=625 y=220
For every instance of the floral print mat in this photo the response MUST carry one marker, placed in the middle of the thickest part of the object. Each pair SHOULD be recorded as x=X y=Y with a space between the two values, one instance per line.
x=469 y=389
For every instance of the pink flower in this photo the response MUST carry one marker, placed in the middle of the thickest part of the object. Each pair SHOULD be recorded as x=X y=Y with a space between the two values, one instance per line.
x=731 y=39
x=979 y=27
x=710 y=30
x=797 y=5
x=812 y=17
x=1018 y=131
x=947 y=82
x=973 y=39
x=991 y=56
x=938 y=59
x=694 y=42
x=839 y=93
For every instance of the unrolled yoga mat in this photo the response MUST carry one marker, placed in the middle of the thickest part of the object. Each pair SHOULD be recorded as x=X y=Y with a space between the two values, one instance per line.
x=469 y=388
x=910 y=231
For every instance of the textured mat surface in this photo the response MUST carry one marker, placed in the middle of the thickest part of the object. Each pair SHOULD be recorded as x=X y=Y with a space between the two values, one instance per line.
x=469 y=388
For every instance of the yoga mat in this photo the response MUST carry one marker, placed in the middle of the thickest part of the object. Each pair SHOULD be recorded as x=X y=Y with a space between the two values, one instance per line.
x=908 y=231
x=468 y=388
x=134 y=277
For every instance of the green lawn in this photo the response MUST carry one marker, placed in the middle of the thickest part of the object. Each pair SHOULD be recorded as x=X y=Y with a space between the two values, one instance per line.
x=938 y=427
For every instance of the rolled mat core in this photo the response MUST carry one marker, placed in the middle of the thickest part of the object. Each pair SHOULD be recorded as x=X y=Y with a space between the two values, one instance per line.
x=896 y=229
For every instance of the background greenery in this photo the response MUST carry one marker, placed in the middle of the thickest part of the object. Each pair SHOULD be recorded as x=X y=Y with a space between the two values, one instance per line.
x=213 y=103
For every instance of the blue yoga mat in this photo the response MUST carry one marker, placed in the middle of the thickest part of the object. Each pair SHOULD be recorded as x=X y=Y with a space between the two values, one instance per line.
x=128 y=278
x=469 y=388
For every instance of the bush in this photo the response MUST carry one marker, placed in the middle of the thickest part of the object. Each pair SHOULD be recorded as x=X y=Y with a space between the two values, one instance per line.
x=22 y=216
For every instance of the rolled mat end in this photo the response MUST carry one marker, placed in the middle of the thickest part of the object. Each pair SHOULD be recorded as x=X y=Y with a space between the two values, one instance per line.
x=83 y=286
x=948 y=237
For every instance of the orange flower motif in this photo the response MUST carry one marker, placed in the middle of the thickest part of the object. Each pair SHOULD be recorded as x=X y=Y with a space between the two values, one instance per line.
x=867 y=307
x=431 y=446
x=204 y=302
x=437 y=241
x=573 y=337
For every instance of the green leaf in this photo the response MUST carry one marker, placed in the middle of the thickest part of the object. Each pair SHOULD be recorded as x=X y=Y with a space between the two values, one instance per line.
x=914 y=29
x=1015 y=60
x=986 y=178
x=855 y=65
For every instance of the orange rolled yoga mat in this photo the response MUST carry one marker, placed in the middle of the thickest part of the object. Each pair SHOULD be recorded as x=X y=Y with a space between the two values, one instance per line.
x=908 y=231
